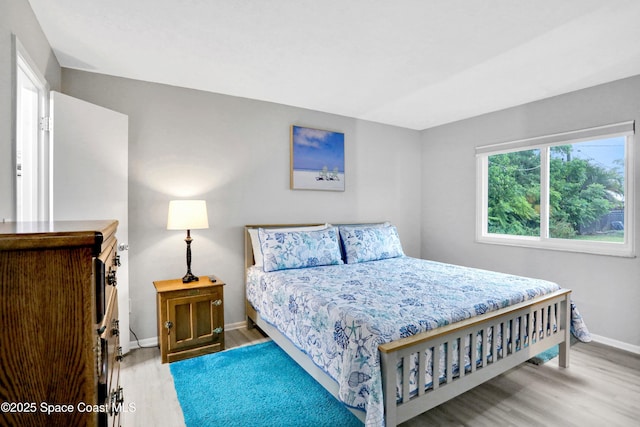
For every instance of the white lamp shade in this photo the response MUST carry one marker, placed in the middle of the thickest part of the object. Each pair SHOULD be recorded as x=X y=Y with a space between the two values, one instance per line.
x=187 y=215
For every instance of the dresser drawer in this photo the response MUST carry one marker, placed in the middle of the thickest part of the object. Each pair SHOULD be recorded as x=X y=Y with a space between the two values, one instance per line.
x=105 y=279
x=109 y=332
x=110 y=392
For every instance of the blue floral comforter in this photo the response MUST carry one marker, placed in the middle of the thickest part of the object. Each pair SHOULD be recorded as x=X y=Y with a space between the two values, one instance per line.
x=338 y=315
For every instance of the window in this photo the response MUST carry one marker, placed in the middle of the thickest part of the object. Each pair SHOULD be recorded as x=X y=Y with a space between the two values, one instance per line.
x=570 y=191
x=32 y=150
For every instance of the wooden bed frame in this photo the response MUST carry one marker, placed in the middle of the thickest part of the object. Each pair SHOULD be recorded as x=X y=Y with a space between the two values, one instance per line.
x=456 y=383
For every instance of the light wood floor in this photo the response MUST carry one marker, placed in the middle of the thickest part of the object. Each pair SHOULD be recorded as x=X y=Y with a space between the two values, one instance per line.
x=600 y=388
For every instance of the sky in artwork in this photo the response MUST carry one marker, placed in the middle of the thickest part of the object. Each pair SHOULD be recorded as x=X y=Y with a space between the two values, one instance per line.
x=313 y=149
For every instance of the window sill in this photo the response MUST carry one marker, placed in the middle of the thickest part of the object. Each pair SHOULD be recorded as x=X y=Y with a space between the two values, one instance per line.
x=623 y=250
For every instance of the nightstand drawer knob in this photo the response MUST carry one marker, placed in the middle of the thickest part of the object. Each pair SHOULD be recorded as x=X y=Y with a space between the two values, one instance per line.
x=216 y=302
x=217 y=330
x=168 y=324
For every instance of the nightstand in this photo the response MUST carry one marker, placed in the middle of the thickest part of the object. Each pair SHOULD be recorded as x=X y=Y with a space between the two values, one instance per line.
x=190 y=317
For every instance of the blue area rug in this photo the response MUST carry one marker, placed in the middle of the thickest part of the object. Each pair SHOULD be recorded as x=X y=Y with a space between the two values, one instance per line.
x=545 y=356
x=258 y=386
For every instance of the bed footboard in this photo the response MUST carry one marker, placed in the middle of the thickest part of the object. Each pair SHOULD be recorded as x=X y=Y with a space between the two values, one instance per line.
x=496 y=341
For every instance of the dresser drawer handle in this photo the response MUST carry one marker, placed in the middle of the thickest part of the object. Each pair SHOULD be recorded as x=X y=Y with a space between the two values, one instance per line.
x=112 y=279
x=116 y=399
x=115 y=327
x=217 y=330
x=216 y=302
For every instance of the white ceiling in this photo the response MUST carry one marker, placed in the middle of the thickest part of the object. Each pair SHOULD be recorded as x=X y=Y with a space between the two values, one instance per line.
x=410 y=63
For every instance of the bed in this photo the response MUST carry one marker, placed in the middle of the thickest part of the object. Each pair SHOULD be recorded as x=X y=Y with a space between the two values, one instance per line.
x=389 y=335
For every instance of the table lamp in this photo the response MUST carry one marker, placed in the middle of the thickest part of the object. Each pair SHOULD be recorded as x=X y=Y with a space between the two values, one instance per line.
x=188 y=215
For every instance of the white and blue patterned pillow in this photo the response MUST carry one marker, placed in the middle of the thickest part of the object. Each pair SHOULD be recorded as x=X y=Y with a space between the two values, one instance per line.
x=255 y=240
x=282 y=250
x=370 y=243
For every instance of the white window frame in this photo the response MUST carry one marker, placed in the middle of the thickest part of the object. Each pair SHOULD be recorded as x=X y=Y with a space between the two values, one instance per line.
x=43 y=192
x=543 y=143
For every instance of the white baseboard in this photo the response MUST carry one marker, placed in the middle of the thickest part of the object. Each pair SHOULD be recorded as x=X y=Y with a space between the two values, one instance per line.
x=147 y=342
x=237 y=325
x=617 y=344
x=153 y=341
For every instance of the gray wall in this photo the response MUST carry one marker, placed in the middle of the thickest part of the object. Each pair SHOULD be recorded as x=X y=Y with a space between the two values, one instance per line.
x=234 y=153
x=16 y=17
x=606 y=289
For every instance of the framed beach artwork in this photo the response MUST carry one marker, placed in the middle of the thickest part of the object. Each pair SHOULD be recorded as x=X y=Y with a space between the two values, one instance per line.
x=317 y=159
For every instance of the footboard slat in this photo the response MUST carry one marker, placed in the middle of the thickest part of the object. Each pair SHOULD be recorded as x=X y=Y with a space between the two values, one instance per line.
x=461 y=356
x=542 y=320
x=483 y=349
x=531 y=332
x=406 y=373
x=422 y=373
x=512 y=335
x=494 y=343
x=504 y=342
x=564 y=315
x=449 y=368
x=474 y=352
x=521 y=337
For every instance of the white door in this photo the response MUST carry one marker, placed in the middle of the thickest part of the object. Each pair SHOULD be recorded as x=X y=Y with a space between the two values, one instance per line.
x=90 y=176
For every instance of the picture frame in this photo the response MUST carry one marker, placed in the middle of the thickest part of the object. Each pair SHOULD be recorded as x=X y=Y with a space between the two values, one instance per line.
x=317 y=159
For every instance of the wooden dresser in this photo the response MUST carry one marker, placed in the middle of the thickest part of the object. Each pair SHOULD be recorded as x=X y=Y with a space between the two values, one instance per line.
x=59 y=348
